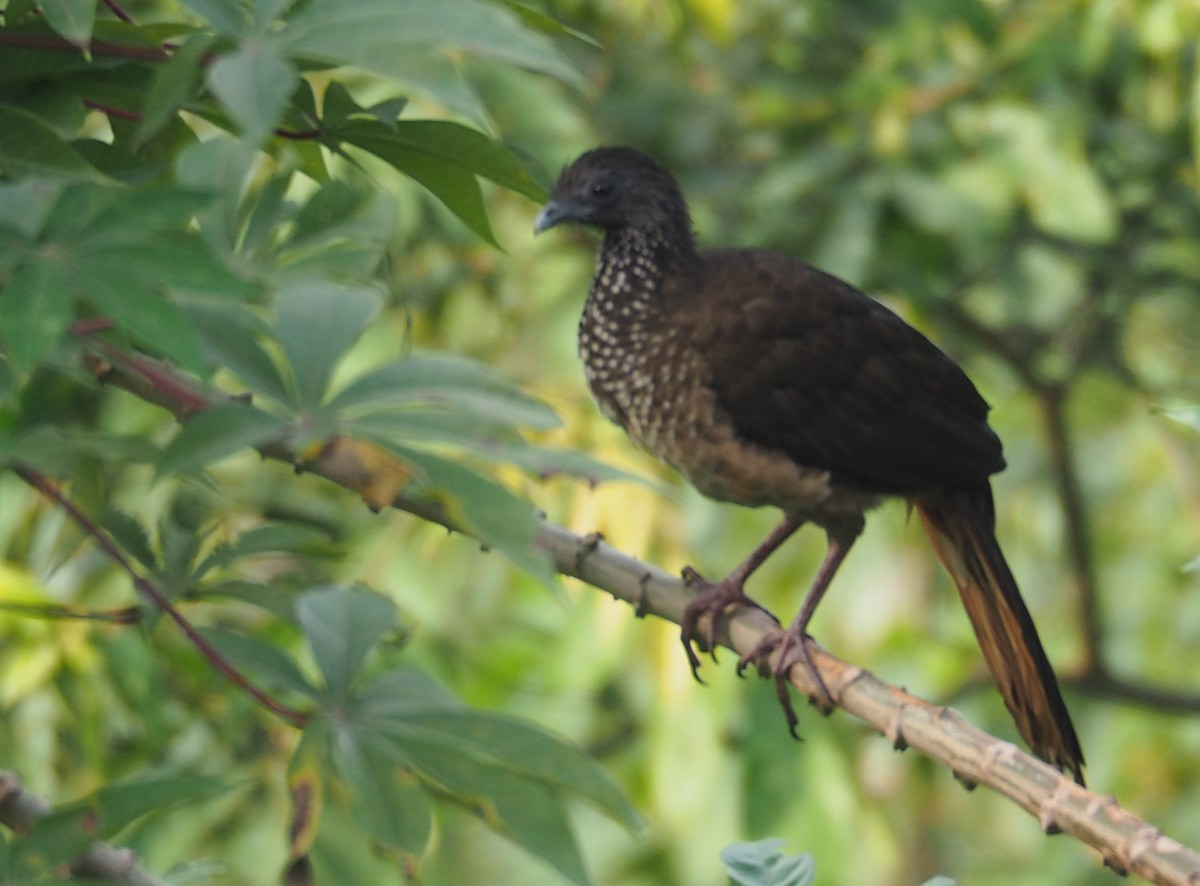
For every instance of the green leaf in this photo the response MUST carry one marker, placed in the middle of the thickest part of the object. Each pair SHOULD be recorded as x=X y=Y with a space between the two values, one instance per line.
x=268 y=211
x=316 y=322
x=24 y=206
x=524 y=810
x=453 y=144
x=35 y=310
x=444 y=380
x=69 y=830
x=73 y=19
x=512 y=745
x=372 y=34
x=763 y=864
x=456 y=187
x=227 y=16
x=152 y=320
x=269 y=539
x=1189 y=416
x=546 y=463
x=386 y=799
x=486 y=509
x=263 y=660
x=254 y=83
x=175 y=83
x=342 y=626
x=29 y=147
x=216 y=433
x=328 y=211
x=130 y=535
x=229 y=336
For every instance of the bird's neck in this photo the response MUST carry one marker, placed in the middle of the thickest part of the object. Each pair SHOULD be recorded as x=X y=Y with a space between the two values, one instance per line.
x=632 y=266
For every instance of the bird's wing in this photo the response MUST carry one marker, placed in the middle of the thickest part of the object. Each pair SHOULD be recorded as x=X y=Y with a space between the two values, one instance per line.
x=807 y=365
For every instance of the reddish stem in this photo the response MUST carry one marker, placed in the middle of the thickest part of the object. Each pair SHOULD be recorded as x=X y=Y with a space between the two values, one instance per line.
x=120 y=13
x=43 y=485
x=111 y=111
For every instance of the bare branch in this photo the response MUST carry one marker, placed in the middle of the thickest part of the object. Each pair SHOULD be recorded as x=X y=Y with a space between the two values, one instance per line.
x=1125 y=842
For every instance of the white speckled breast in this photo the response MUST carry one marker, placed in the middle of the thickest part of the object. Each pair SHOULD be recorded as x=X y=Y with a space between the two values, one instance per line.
x=649 y=378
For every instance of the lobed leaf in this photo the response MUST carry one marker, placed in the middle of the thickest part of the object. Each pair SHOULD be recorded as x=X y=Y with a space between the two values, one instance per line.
x=342 y=625
x=316 y=323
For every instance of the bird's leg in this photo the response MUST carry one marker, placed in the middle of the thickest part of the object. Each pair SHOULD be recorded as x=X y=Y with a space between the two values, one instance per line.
x=792 y=642
x=715 y=599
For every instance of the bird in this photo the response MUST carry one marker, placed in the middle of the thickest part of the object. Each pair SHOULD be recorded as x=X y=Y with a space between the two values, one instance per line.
x=767 y=382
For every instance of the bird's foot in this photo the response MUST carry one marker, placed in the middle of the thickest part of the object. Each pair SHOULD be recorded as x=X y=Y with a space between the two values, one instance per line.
x=792 y=647
x=713 y=599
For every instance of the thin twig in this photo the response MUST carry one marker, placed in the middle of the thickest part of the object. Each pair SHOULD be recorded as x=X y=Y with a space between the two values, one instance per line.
x=1079 y=549
x=49 y=489
x=95 y=47
x=111 y=111
x=120 y=13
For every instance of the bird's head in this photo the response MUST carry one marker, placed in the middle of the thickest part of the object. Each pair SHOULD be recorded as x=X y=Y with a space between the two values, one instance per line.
x=614 y=189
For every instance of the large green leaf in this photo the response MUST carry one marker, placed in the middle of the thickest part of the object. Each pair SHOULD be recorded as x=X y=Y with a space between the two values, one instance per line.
x=524 y=810
x=454 y=383
x=175 y=83
x=486 y=509
x=316 y=322
x=34 y=312
x=253 y=83
x=29 y=147
x=373 y=33
x=443 y=176
x=230 y=337
x=389 y=802
x=73 y=19
x=447 y=143
x=341 y=626
x=152 y=320
x=512 y=745
x=217 y=433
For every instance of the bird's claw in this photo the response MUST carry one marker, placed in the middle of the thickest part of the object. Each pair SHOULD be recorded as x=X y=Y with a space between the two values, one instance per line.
x=792 y=651
x=713 y=599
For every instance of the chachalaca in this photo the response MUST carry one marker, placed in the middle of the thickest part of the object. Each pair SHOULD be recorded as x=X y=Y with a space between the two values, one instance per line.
x=765 y=381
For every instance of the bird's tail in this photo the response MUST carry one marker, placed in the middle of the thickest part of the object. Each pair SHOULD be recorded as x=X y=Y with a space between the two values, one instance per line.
x=960 y=523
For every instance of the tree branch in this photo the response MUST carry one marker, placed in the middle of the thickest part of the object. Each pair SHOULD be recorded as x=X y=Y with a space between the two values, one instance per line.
x=43 y=485
x=1125 y=842
x=20 y=811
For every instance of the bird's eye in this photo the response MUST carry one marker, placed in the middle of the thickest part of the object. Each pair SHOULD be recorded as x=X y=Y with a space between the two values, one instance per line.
x=601 y=189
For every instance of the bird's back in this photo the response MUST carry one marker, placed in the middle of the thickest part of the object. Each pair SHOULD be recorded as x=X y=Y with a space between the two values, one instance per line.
x=804 y=364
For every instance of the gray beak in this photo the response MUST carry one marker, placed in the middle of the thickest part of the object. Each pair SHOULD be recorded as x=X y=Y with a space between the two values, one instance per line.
x=553 y=213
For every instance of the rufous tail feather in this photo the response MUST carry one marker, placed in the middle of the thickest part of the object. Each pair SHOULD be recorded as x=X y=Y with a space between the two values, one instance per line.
x=960 y=524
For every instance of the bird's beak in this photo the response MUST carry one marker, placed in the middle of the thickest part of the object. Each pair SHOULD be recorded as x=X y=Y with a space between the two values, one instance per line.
x=557 y=211
x=552 y=213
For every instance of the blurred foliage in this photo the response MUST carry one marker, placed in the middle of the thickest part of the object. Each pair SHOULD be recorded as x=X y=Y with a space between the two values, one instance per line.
x=291 y=204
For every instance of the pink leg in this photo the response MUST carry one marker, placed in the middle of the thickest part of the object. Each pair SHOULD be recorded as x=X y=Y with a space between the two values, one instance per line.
x=791 y=643
x=715 y=599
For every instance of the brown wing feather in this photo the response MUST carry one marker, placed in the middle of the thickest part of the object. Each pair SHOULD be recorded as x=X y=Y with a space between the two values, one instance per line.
x=805 y=364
